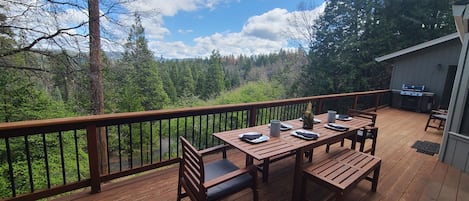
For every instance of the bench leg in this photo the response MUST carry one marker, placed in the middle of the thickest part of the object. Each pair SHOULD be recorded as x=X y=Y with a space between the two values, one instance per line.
x=339 y=196
x=374 y=183
x=303 y=188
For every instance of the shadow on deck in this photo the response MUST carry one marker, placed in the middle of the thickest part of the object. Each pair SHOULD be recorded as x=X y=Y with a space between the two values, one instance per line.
x=405 y=173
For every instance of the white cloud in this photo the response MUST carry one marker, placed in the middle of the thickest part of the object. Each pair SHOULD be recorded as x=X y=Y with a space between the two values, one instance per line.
x=261 y=34
x=164 y=7
x=270 y=25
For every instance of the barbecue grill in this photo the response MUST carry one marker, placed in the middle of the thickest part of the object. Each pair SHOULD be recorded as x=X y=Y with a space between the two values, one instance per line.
x=413 y=97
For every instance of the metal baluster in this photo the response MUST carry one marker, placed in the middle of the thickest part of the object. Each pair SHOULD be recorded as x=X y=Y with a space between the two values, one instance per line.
x=169 y=138
x=107 y=147
x=193 y=130
x=177 y=137
x=231 y=120
x=77 y=158
x=219 y=122
x=46 y=159
x=226 y=118
x=206 y=131
x=200 y=131
x=120 y=147
x=10 y=167
x=62 y=157
x=213 y=128
x=141 y=144
x=185 y=127
x=131 y=149
x=151 y=142
x=28 y=158
x=160 y=134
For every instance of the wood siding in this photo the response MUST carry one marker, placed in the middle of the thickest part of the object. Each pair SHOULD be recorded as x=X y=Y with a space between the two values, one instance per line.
x=457 y=151
x=422 y=67
x=455 y=142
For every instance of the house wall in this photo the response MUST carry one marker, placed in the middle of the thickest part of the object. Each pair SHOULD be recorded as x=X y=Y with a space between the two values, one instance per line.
x=454 y=148
x=427 y=67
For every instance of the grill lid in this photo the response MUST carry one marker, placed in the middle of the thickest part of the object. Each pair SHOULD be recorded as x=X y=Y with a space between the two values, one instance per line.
x=416 y=88
x=411 y=93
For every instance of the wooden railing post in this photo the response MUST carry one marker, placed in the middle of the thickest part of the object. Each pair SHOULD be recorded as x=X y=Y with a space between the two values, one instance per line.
x=318 y=106
x=93 y=157
x=252 y=116
x=377 y=102
x=355 y=102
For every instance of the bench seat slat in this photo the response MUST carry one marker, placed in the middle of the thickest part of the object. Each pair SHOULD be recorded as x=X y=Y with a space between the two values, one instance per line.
x=342 y=171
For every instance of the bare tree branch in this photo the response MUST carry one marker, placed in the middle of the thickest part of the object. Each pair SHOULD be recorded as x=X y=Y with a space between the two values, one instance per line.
x=37 y=40
x=23 y=68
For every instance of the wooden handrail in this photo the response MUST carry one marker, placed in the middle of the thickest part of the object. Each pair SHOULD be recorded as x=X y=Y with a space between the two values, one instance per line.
x=81 y=122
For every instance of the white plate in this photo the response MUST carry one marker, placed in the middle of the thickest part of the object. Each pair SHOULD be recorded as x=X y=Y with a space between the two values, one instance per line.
x=285 y=127
x=263 y=138
x=343 y=119
x=334 y=128
x=304 y=131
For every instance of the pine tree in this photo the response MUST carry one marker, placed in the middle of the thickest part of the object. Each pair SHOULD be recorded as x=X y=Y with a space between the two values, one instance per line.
x=138 y=56
x=214 y=81
x=351 y=33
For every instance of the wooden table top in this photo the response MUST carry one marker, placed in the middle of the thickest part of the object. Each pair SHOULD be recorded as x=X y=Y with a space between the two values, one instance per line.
x=286 y=142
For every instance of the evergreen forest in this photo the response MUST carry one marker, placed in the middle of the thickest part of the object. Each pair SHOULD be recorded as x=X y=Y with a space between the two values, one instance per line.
x=42 y=84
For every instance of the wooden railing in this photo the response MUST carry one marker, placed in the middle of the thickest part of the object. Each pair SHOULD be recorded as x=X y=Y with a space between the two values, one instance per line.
x=43 y=158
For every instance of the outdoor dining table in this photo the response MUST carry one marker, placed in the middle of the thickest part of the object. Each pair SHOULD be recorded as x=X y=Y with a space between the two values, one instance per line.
x=287 y=143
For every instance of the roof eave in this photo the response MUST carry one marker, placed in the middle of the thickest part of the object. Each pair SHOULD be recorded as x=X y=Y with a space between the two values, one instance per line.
x=417 y=47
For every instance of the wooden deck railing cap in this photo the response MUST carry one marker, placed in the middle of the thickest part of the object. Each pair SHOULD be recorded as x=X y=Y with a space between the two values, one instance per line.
x=82 y=121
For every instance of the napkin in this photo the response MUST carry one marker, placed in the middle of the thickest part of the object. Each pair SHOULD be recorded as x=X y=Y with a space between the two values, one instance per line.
x=337 y=126
x=251 y=136
x=343 y=116
x=307 y=135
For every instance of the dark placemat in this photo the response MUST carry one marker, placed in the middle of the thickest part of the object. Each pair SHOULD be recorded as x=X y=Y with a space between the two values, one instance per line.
x=426 y=147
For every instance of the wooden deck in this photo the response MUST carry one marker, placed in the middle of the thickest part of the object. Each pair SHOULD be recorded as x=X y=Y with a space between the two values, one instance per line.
x=405 y=173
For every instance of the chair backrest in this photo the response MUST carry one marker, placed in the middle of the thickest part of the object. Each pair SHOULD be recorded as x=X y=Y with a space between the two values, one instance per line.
x=362 y=114
x=192 y=171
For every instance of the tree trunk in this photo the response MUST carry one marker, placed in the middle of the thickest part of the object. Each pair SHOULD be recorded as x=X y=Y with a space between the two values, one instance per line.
x=96 y=78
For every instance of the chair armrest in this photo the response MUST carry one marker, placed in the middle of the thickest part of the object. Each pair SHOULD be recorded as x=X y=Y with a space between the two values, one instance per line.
x=361 y=112
x=440 y=111
x=213 y=149
x=370 y=127
x=226 y=177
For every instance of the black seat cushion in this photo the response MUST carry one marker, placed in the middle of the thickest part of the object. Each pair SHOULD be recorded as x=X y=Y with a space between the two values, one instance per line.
x=222 y=167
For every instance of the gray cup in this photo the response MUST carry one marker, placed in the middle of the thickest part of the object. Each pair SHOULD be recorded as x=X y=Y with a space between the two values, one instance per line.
x=331 y=116
x=274 y=128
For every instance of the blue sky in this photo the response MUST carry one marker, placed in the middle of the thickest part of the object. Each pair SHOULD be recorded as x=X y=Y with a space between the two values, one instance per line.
x=180 y=28
x=193 y=28
x=229 y=17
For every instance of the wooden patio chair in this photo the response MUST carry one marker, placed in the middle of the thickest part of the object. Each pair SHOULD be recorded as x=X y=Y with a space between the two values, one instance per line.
x=369 y=132
x=214 y=180
x=439 y=115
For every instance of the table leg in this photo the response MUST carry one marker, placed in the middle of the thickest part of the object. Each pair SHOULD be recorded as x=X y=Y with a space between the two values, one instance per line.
x=296 y=192
x=265 y=170
x=249 y=160
x=354 y=140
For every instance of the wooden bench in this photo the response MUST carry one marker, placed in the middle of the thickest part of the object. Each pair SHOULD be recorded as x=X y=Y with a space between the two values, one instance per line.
x=341 y=172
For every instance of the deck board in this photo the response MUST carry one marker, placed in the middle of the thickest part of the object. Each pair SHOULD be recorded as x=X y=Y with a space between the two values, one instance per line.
x=405 y=173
